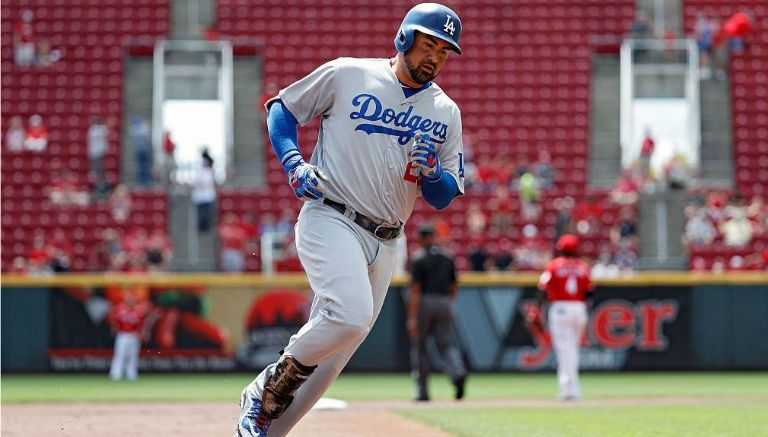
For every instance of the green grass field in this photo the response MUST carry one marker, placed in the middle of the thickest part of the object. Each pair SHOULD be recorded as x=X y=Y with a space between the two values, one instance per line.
x=616 y=404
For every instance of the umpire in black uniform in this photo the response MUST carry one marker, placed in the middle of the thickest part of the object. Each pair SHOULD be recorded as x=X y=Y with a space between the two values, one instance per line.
x=430 y=313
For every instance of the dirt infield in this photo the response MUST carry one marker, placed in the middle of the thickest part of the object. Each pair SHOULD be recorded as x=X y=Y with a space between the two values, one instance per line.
x=360 y=419
x=195 y=419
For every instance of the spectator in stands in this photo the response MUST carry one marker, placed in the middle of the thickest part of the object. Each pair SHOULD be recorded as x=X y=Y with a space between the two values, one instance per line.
x=625 y=227
x=737 y=229
x=587 y=214
x=715 y=204
x=626 y=257
x=736 y=206
x=501 y=207
x=46 y=56
x=698 y=264
x=532 y=253
x=37 y=134
x=442 y=230
x=286 y=222
x=757 y=209
x=477 y=256
x=15 y=134
x=203 y=193
x=142 y=148
x=563 y=222
x=39 y=257
x=738 y=28
x=502 y=257
x=544 y=170
x=677 y=172
x=502 y=171
x=646 y=153
x=718 y=265
x=483 y=179
x=604 y=266
x=267 y=224
x=159 y=250
x=24 y=40
x=232 y=237
x=250 y=225
x=736 y=263
x=169 y=159
x=120 y=203
x=528 y=191
x=61 y=251
x=703 y=32
x=18 y=265
x=98 y=134
x=134 y=242
x=699 y=230
x=476 y=220
x=108 y=248
x=60 y=260
x=626 y=190
x=64 y=190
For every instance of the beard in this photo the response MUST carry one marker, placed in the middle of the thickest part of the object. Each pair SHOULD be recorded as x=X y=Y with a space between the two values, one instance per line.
x=417 y=74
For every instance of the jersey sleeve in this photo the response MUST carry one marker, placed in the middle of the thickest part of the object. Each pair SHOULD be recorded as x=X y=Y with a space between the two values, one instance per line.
x=312 y=95
x=545 y=279
x=451 y=154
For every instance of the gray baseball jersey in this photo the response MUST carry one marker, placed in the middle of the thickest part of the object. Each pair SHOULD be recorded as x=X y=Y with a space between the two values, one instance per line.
x=367 y=129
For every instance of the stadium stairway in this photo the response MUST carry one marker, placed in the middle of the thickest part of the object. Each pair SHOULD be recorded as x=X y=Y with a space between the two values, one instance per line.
x=660 y=228
x=604 y=149
x=716 y=134
x=249 y=124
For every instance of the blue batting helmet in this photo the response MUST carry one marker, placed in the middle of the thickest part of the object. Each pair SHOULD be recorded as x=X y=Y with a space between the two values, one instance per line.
x=430 y=18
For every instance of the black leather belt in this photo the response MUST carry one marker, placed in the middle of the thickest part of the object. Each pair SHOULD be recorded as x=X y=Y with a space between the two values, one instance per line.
x=379 y=231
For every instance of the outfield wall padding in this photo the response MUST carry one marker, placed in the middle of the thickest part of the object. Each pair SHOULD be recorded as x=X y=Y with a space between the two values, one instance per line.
x=220 y=323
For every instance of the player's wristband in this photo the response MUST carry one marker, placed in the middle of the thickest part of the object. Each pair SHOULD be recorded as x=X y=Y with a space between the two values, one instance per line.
x=437 y=174
x=292 y=160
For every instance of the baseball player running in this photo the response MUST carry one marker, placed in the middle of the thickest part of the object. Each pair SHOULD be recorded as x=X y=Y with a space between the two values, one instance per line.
x=566 y=283
x=387 y=134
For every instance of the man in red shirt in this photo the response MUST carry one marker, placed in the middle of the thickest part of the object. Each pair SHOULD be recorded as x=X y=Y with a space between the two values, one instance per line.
x=566 y=283
x=646 y=153
x=232 y=239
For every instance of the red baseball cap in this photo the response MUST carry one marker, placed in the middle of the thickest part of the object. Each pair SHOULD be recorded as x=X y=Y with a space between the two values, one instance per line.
x=568 y=243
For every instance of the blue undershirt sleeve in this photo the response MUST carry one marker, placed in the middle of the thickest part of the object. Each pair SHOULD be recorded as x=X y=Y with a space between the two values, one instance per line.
x=439 y=193
x=284 y=135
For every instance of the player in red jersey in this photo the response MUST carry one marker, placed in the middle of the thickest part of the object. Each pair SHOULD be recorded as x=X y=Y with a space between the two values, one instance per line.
x=566 y=283
x=128 y=319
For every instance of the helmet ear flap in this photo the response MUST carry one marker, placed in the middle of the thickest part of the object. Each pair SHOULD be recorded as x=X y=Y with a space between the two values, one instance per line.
x=404 y=39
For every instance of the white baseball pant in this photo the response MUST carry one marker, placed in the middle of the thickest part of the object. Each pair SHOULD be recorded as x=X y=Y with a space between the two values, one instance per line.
x=349 y=271
x=567 y=322
x=125 y=361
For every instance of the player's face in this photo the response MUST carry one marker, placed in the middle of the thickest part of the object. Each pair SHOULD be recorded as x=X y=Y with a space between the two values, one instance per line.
x=426 y=57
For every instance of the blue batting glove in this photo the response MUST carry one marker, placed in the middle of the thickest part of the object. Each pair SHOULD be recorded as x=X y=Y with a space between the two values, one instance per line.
x=424 y=157
x=305 y=181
